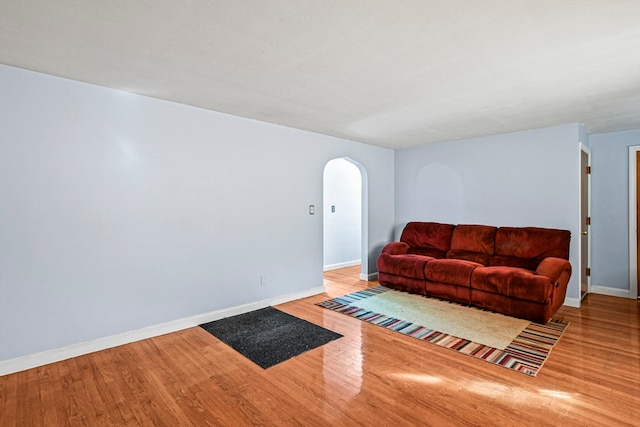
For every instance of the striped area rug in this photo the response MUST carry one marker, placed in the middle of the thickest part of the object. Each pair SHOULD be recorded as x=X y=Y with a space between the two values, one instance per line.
x=526 y=353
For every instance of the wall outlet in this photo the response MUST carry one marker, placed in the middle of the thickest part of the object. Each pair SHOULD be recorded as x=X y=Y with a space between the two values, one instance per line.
x=263 y=281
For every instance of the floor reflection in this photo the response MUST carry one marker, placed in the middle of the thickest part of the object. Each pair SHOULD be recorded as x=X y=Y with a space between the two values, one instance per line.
x=520 y=395
x=342 y=366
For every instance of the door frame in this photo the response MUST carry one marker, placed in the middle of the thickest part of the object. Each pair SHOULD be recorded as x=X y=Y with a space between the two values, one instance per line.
x=633 y=237
x=587 y=151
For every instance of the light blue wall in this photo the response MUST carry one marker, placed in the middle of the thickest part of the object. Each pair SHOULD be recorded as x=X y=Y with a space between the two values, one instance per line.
x=120 y=212
x=610 y=208
x=528 y=178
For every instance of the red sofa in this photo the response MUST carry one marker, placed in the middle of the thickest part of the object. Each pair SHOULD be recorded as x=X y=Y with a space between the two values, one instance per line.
x=518 y=271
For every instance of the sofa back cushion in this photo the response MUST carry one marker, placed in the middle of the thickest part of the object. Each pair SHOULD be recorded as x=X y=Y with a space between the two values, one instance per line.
x=526 y=247
x=473 y=243
x=427 y=238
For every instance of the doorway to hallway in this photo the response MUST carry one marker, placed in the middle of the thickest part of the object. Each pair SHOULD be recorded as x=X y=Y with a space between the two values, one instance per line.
x=342 y=214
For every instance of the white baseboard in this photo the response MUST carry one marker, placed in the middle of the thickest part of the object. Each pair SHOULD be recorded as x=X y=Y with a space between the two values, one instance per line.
x=572 y=302
x=369 y=277
x=613 y=292
x=341 y=265
x=55 y=355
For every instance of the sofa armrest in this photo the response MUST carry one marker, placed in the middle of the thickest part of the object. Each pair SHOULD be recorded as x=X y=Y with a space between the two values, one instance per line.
x=395 y=248
x=557 y=269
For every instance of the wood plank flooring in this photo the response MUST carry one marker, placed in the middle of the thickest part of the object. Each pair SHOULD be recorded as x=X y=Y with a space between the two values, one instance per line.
x=371 y=376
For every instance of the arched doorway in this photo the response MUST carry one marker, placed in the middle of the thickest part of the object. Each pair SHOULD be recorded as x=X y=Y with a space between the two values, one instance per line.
x=345 y=215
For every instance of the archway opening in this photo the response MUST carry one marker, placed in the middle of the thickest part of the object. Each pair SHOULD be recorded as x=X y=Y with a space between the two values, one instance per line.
x=344 y=215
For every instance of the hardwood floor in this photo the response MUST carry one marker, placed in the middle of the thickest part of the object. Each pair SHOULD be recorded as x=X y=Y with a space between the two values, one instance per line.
x=371 y=376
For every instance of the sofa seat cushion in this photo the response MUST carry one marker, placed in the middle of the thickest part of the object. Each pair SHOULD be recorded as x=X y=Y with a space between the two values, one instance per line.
x=473 y=243
x=453 y=271
x=513 y=282
x=406 y=265
x=515 y=262
x=477 y=257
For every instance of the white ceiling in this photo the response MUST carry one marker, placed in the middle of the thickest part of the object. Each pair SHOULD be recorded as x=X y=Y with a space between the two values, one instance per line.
x=390 y=73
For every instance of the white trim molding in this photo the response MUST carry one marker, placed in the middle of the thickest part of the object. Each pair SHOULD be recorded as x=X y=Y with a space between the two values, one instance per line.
x=58 y=354
x=633 y=236
x=340 y=265
x=369 y=277
x=572 y=302
x=612 y=292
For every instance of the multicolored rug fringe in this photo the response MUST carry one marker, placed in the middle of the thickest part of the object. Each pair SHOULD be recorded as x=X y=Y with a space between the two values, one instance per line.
x=526 y=354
